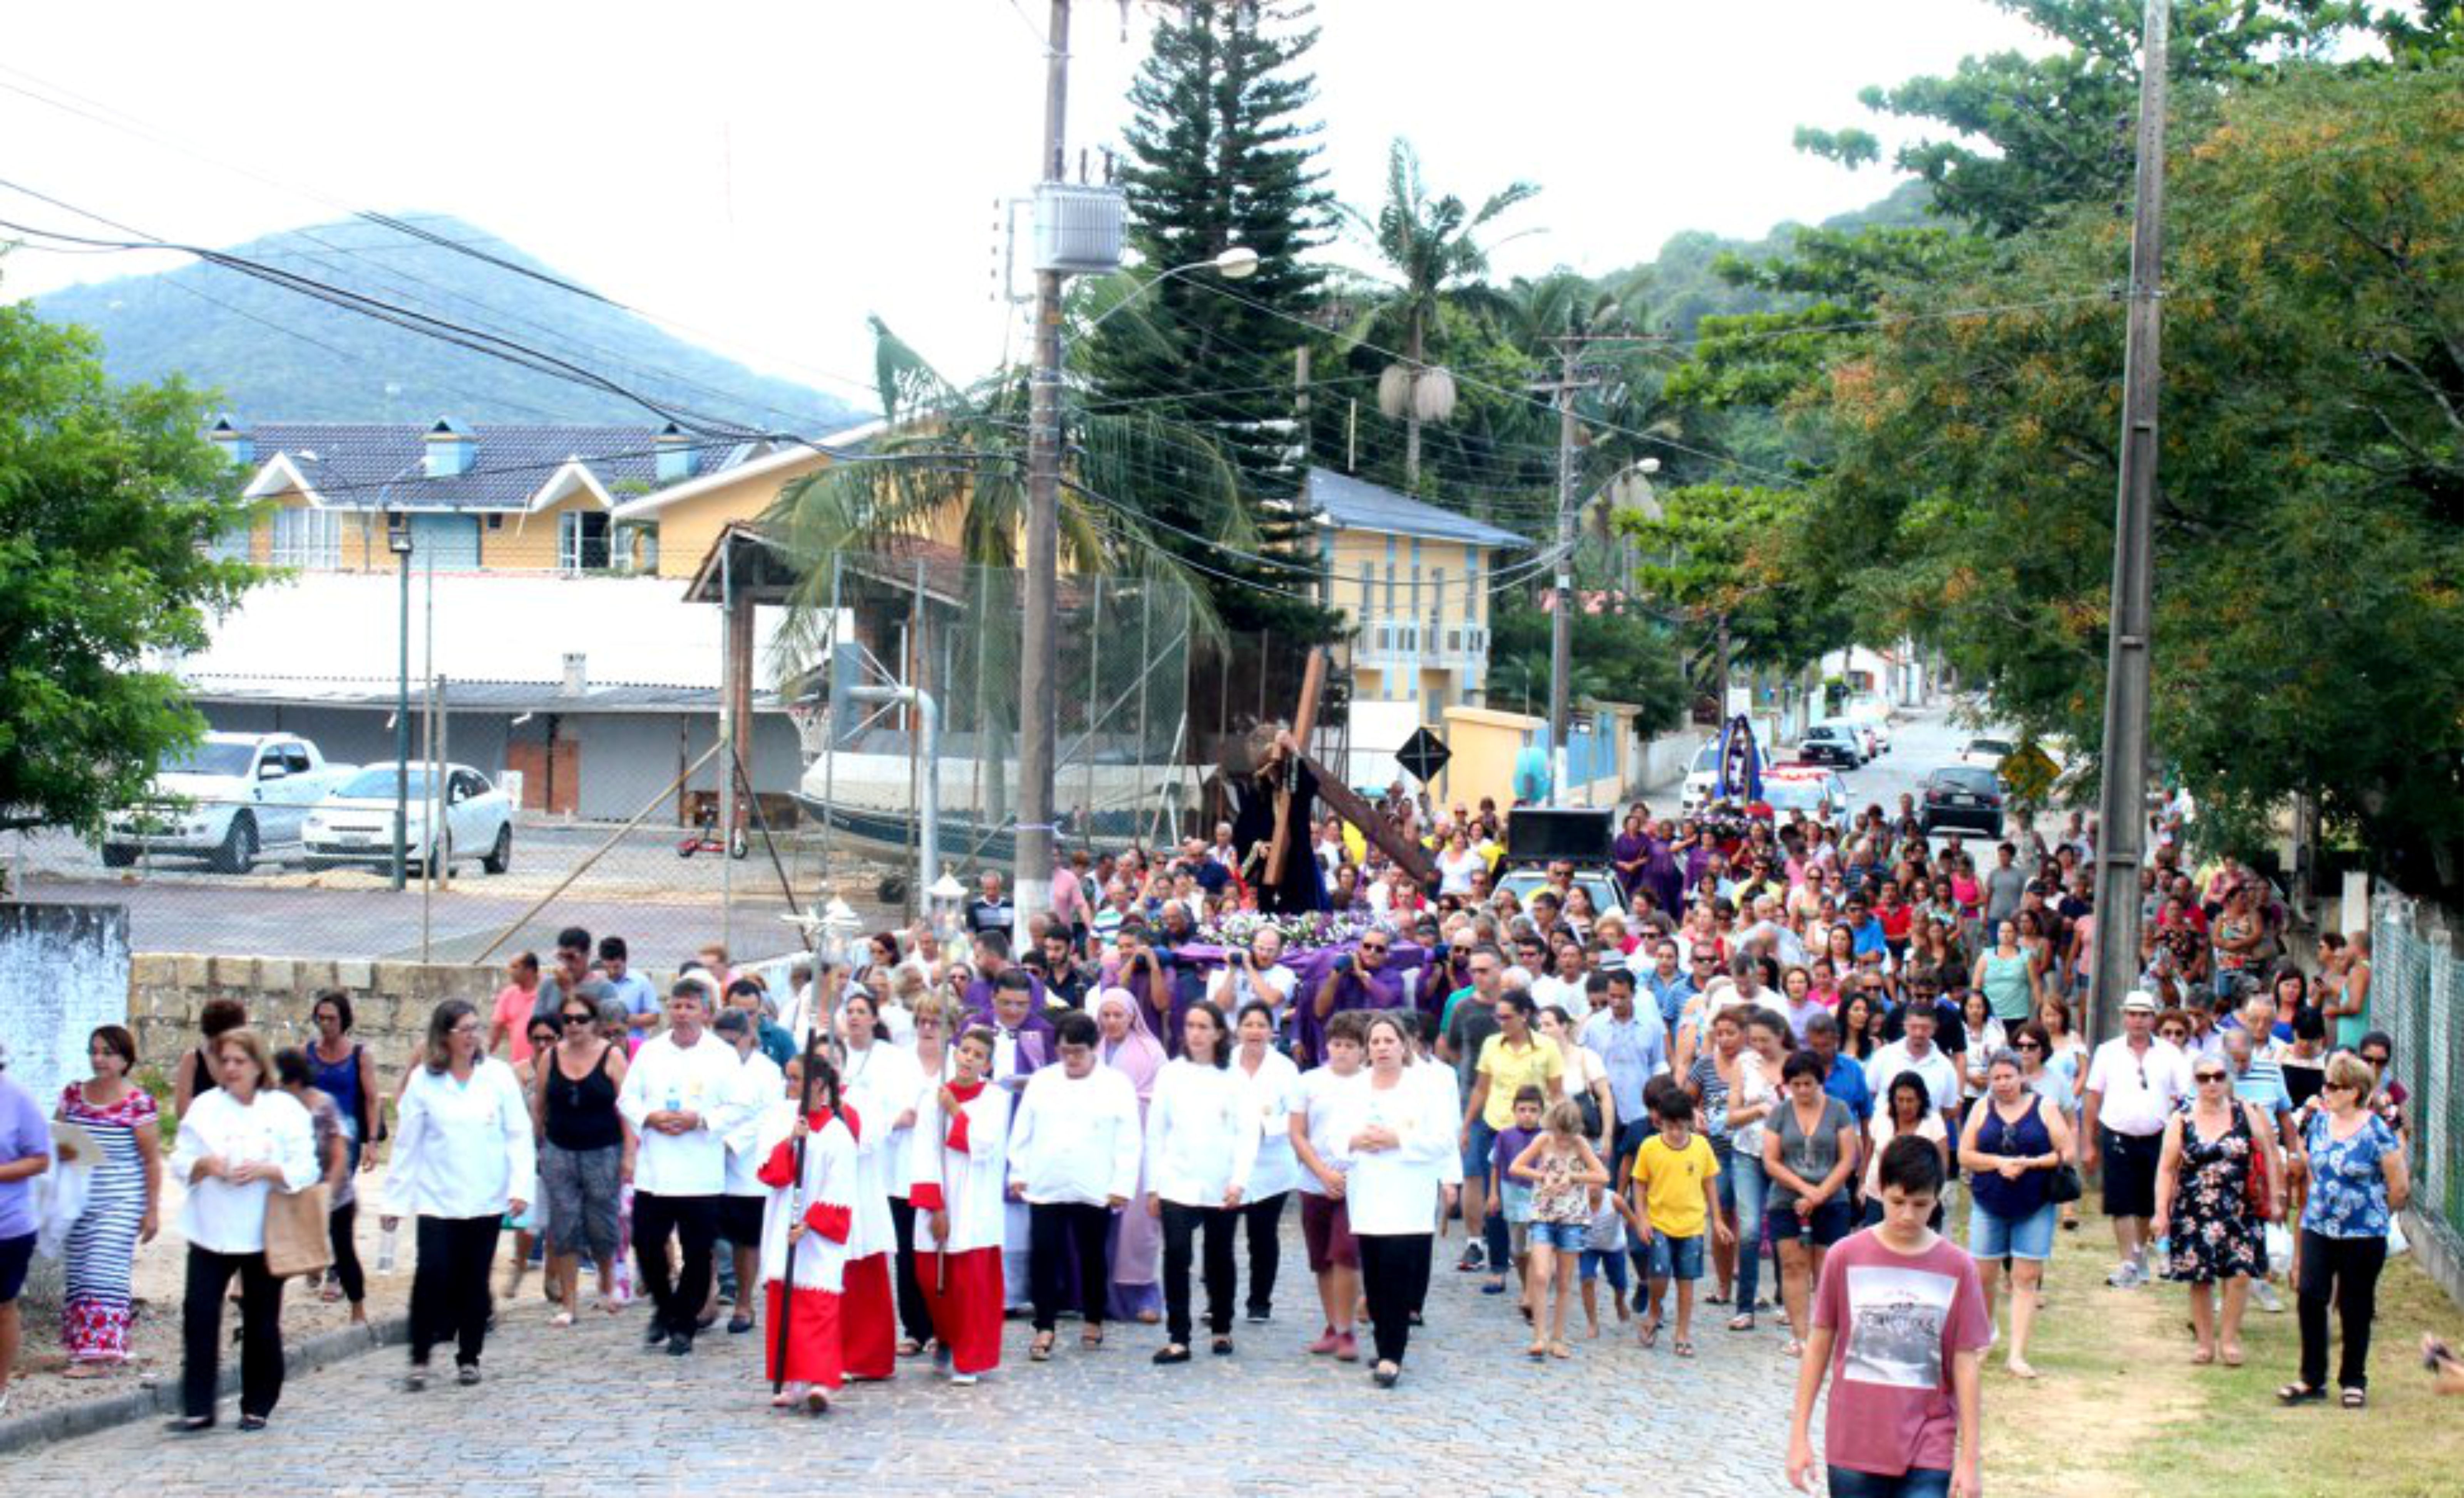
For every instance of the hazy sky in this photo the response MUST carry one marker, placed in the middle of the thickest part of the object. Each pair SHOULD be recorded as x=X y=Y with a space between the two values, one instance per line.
x=760 y=176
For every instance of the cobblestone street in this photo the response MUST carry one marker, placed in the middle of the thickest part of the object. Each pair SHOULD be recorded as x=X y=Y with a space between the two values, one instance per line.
x=568 y=1413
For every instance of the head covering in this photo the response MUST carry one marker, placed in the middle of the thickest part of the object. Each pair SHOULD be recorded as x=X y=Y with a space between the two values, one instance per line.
x=1140 y=1053
x=2140 y=999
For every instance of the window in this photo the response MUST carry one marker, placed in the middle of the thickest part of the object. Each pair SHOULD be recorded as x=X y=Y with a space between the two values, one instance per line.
x=310 y=540
x=581 y=540
x=295 y=759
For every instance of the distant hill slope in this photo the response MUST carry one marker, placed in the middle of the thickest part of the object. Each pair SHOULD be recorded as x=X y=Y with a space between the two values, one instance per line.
x=1686 y=290
x=276 y=354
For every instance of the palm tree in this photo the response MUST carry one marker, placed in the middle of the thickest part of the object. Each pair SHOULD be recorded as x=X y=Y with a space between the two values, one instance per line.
x=1428 y=247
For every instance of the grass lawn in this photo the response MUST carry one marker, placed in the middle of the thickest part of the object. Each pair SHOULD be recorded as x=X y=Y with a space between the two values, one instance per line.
x=2119 y=1408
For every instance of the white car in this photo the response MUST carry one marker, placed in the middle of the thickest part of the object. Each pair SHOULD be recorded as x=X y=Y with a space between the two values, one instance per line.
x=1814 y=789
x=226 y=801
x=1984 y=753
x=355 y=825
x=1874 y=715
x=1701 y=777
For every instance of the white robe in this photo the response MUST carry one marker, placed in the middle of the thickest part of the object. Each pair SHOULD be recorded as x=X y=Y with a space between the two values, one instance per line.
x=971 y=1182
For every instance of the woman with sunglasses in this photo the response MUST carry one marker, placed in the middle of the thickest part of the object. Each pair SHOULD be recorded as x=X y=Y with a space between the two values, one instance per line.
x=2203 y=1204
x=2012 y=1145
x=581 y=1155
x=2357 y=1178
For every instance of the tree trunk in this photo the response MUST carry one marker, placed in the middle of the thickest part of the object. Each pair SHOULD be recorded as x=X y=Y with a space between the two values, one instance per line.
x=1412 y=409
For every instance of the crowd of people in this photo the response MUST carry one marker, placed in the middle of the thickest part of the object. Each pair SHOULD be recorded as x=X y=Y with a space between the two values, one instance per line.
x=1784 y=1051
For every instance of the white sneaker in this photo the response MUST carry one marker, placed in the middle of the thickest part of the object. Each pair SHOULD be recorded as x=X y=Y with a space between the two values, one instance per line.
x=963 y=1381
x=2264 y=1295
x=2125 y=1276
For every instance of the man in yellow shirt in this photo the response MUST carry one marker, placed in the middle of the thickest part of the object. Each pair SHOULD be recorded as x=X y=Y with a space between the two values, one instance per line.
x=1669 y=1204
x=1511 y=1060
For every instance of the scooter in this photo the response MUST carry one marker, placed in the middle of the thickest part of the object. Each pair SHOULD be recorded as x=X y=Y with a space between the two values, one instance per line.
x=704 y=839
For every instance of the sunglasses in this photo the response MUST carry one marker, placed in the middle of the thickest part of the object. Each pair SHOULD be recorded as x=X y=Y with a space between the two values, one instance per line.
x=2376 y=1061
x=2029 y=1046
x=2211 y=1076
x=1373 y=948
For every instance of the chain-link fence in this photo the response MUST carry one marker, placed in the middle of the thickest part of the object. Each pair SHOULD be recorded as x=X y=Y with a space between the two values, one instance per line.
x=2417 y=996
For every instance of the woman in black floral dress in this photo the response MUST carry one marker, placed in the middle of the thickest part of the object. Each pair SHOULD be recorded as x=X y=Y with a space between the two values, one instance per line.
x=2203 y=1204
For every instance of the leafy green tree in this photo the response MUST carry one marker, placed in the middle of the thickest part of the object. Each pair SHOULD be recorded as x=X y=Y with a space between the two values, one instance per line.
x=2310 y=524
x=111 y=501
x=1621 y=654
x=1221 y=155
x=1729 y=554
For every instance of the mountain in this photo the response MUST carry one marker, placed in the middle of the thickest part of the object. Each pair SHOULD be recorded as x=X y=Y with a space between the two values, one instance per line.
x=1684 y=289
x=277 y=355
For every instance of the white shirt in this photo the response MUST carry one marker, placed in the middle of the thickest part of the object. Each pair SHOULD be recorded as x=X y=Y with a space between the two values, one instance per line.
x=1454 y=871
x=1395 y=1191
x=1201 y=1138
x=2137 y=1098
x=1270 y=1097
x=1448 y=1089
x=881 y=1082
x=1940 y=1077
x=272 y=1129
x=462 y=1147
x=1318 y=1101
x=967 y=1178
x=1235 y=987
x=1570 y=993
x=760 y=1086
x=1076 y=1139
x=701 y=1079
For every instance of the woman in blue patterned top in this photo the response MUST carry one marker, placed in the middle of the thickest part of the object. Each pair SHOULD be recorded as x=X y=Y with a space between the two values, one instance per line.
x=2357 y=1176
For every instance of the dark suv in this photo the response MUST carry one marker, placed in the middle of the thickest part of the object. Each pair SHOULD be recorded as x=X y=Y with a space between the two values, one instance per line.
x=1962 y=797
x=1831 y=743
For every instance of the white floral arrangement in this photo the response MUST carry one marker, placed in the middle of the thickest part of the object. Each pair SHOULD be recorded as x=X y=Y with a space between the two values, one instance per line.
x=1302 y=932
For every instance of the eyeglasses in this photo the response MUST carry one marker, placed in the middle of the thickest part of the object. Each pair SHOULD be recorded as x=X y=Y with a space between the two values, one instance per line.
x=1373 y=948
x=2376 y=1061
x=2211 y=1076
x=2028 y=1044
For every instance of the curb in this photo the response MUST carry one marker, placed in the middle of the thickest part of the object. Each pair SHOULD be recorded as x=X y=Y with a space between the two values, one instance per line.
x=68 y=1422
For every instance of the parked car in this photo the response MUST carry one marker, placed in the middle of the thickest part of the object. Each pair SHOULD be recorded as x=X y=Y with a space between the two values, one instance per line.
x=226 y=800
x=1834 y=741
x=355 y=825
x=1598 y=883
x=1963 y=796
x=1984 y=753
x=1814 y=790
x=1702 y=776
x=1874 y=715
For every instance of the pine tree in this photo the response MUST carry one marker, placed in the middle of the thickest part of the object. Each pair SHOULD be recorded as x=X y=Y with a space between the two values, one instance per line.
x=1220 y=155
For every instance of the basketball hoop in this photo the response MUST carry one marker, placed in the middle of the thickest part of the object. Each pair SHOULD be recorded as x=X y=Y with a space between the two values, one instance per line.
x=812 y=727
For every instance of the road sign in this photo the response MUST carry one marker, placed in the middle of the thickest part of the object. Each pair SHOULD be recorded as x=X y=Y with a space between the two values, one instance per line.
x=2030 y=772
x=1424 y=754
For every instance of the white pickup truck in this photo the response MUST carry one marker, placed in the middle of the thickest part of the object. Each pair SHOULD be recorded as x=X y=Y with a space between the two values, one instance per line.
x=226 y=801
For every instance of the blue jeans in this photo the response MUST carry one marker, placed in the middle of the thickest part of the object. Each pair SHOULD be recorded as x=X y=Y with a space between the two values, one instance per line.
x=1754 y=1188
x=1917 y=1482
x=1476 y=1165
x=1610 y=1262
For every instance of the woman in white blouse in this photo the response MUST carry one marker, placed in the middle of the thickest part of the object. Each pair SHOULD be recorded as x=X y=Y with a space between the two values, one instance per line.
x=1397 y=1144
x=1201 y=1141
x=1270 y=1085
x=462 y=1160
x=240 y=1142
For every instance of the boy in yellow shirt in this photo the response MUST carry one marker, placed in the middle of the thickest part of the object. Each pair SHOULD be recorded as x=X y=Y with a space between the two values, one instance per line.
x=1669 y=1204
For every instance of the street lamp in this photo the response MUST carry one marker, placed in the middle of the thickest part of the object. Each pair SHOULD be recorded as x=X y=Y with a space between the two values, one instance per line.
x=398 y=541
x=947 y=897
x=1236 y=264
x=839 y=925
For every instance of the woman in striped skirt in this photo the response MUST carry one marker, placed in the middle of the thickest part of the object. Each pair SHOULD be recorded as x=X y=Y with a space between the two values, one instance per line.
x=123 y=1204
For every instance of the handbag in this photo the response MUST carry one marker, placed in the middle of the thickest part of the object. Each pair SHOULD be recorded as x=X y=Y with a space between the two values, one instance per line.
x=2062 y=1186
x=2256 y=1189
x=296 y=1239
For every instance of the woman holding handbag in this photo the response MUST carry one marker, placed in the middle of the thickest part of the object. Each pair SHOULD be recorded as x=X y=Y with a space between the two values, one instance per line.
x=292 y=1069
x=2216 y=1153
x=2012 y=1146
x=241 y=1142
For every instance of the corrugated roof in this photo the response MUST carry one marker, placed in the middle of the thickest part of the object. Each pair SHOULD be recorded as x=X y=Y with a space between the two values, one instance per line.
x=1354 y=504
x=465 y=696
x=370 y=465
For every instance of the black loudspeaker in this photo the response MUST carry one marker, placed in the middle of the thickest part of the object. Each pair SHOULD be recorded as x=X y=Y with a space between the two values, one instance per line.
x=1540 y=834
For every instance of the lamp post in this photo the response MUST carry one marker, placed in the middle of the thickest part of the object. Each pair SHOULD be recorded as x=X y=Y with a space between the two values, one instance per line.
x=398 y=541
x=946 y=897
x=1032 y=867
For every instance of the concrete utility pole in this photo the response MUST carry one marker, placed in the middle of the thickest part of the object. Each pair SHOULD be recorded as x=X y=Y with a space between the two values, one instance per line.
x=1032 y=872
x=2122 y=807
x=1561 y=618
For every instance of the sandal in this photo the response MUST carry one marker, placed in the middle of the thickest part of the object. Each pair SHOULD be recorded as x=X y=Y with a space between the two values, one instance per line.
x=909 y=1346
x=2231 y=1355
x=2298 y=1394
x=1091 y=1338
x=563 y=1318
x=2202 y=1357
x=1040 y=1351
x=1742 y=1321
x=1684 y=1349
x=816 y=1402
x=1171 y=1353
x=1792 y=1348
x=1651 y=1332
x=1560 y=1350
x=2354 y=1399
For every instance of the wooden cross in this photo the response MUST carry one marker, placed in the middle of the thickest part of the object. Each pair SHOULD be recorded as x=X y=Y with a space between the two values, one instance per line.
x=1408 y=855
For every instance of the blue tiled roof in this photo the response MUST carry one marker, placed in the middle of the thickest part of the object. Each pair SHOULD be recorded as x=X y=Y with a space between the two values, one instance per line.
x=353 y=464
x=1354 y=504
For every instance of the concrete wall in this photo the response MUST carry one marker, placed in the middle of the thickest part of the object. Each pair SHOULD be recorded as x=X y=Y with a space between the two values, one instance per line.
x=63 y=970
x=391 y=1001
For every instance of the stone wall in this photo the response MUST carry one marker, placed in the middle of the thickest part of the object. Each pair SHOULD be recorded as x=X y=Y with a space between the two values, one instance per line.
x=390 y=1001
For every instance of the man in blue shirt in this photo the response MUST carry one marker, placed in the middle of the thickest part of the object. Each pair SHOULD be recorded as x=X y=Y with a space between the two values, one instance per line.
x=1844 y=1081
x=1633 y=1044
x=1867 y=926
x=1668 y=982
x=641 y=1001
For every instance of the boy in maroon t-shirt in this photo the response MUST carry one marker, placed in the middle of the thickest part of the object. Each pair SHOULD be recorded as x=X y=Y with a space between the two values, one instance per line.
x=1899 y=1328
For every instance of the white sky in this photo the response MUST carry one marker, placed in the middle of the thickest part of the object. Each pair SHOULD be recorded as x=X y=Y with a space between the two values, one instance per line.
x=761 y=175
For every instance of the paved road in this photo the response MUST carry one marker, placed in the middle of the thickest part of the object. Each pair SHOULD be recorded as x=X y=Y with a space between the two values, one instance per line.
x=568 y=1413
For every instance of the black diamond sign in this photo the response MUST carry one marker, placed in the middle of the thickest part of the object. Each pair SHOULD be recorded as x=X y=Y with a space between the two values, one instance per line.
x=1424 y=754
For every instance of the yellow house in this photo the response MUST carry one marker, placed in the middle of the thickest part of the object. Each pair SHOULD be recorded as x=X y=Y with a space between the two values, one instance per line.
x=1412 y=581
x=515 y=498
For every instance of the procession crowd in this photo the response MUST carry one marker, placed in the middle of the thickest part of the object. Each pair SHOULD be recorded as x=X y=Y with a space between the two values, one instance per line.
x=1779 y=1058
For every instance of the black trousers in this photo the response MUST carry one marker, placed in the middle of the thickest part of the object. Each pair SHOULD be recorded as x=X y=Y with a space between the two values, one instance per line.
x=201 y=1331
x=1179 y=1223
x=677 y=1292
x=339 y=1228
x=1262 y=1222
x=2343 y=1271
x=1055 y=1230
x=914 y=1319
x=1395 y=1276
x=448 y=1289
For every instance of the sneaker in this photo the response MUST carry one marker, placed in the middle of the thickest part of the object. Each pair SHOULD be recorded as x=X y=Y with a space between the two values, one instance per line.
x=1471 y=1261
x=2125 y=1276
x=415 y=1380
x=655 y=1334
x=1261 y=1315
x=1325 y=1343
x=1346 y=1350
x=467 y=1374
x=963 y=1381
x=2264 y=1295
x=679 y=1343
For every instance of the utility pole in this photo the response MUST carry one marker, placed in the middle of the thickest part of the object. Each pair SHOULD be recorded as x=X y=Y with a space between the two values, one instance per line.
x=1561 y=640
x=2122 y=806
x=1032 y=870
